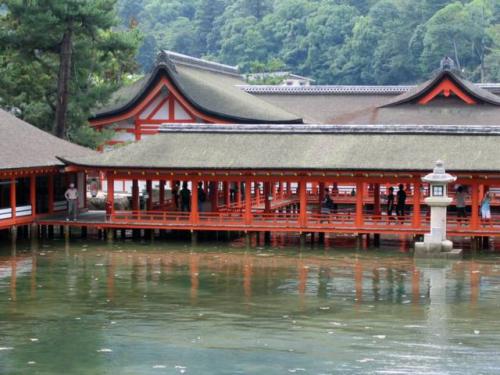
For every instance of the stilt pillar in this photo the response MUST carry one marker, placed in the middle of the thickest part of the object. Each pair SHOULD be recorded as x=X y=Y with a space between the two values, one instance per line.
x=135 y=195
x=359 y=203
x=13 y=197
x=416 y=204
x=474 y=218
x=227 y=194
x=376 y=200
x=267 y=197
x=248 y=202
x=33 y=195
x=303 y=203
x=195 y=215
x=110 y=199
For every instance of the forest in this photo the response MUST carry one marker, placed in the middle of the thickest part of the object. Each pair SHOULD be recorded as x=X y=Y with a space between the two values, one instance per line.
x=332 y=41
x=61 y=59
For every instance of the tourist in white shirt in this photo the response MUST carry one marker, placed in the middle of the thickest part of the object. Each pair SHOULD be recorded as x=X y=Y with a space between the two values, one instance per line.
x=71 y=196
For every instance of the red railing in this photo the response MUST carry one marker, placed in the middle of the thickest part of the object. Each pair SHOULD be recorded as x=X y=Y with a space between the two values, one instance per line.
x=273 y=220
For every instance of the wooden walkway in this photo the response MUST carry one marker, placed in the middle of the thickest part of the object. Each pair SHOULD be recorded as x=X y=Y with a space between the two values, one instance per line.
x=342 y=222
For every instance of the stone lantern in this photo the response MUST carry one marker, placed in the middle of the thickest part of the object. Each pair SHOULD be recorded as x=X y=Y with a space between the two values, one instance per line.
x=435 y=243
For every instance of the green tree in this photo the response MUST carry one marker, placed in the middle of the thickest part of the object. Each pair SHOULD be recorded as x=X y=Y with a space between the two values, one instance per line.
x=69 y=43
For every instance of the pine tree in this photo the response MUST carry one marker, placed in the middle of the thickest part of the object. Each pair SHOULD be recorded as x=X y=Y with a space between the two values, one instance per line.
x=51 y=33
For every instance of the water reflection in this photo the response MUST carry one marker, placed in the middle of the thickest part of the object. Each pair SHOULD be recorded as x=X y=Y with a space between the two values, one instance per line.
x=130 y=307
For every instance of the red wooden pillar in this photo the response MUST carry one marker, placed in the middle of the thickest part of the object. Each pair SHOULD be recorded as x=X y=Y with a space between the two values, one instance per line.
x=248 y=202
x=162 y=193
x=13 y=197
x=474 y=219
x=267 y=195
x=238 y=194
x=110 y=200
x=280 y=189
x=33 y=195
x=149 y=190
x=227 y=194
x=376 y=200
x=214 y=195
x=416 y=204
x=273 y=190
x=135 y=195
x=85 y=190
x=195 y=215
x=303 y=203
x=360 y=190
x=50 y=188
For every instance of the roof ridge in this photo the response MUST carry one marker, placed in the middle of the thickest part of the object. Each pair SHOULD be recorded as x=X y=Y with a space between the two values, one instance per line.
x=331 y=129
x=346 y=89
x=179 y=58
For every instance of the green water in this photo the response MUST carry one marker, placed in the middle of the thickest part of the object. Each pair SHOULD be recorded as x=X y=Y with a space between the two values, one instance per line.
x=170 y=309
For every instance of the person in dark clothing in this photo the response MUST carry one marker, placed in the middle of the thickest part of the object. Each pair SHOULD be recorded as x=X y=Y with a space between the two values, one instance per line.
x=328 y=202
x=202 y=196
x=175 y=194
x=185 y=197
x=401 y=201
x=390 y=202
x=327 y=205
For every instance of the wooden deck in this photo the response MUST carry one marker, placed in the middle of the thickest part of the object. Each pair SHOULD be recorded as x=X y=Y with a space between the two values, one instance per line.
x=342 y=222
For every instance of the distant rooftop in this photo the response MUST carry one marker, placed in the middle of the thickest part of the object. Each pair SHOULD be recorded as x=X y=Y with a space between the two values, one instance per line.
x=345 y=89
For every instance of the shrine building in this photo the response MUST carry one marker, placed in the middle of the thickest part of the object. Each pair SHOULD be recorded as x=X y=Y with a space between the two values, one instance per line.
x=263 y=158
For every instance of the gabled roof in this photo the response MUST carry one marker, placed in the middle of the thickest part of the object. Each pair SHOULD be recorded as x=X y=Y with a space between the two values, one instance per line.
x=479 y=94
x=208 y=87
x=340 y=148
x=25 y=146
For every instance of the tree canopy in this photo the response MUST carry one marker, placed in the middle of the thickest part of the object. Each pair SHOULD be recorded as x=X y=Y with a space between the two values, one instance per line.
x=333 y=41
x=59 y=59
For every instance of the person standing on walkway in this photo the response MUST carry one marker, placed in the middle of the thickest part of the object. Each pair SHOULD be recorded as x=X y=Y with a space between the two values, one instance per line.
x=486 y=207
x=202 y=197
x=71 y=196
x=401 y=202
x=390 y=203
x=185 y=197
x=460 y=203
x=175 y=194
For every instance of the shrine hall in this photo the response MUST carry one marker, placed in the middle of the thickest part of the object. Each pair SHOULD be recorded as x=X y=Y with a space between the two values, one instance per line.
x=262 y=158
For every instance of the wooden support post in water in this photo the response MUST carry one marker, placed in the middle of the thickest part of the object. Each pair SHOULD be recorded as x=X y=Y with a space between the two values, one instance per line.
x=302 y=239
x=194 y=238
x=109 y=235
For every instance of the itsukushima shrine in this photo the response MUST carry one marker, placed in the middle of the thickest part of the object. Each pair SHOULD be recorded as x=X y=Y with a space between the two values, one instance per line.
x=261 y=162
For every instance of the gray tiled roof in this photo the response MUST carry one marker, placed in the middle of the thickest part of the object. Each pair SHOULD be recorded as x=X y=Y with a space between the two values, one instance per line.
x=288 y=151
x=24 y=146
x=211 y=89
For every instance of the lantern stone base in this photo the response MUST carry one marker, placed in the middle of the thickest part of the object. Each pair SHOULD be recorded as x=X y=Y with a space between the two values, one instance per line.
x=437 y=250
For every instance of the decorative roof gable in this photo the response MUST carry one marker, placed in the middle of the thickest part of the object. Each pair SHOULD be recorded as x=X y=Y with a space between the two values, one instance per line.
x=446 y=84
